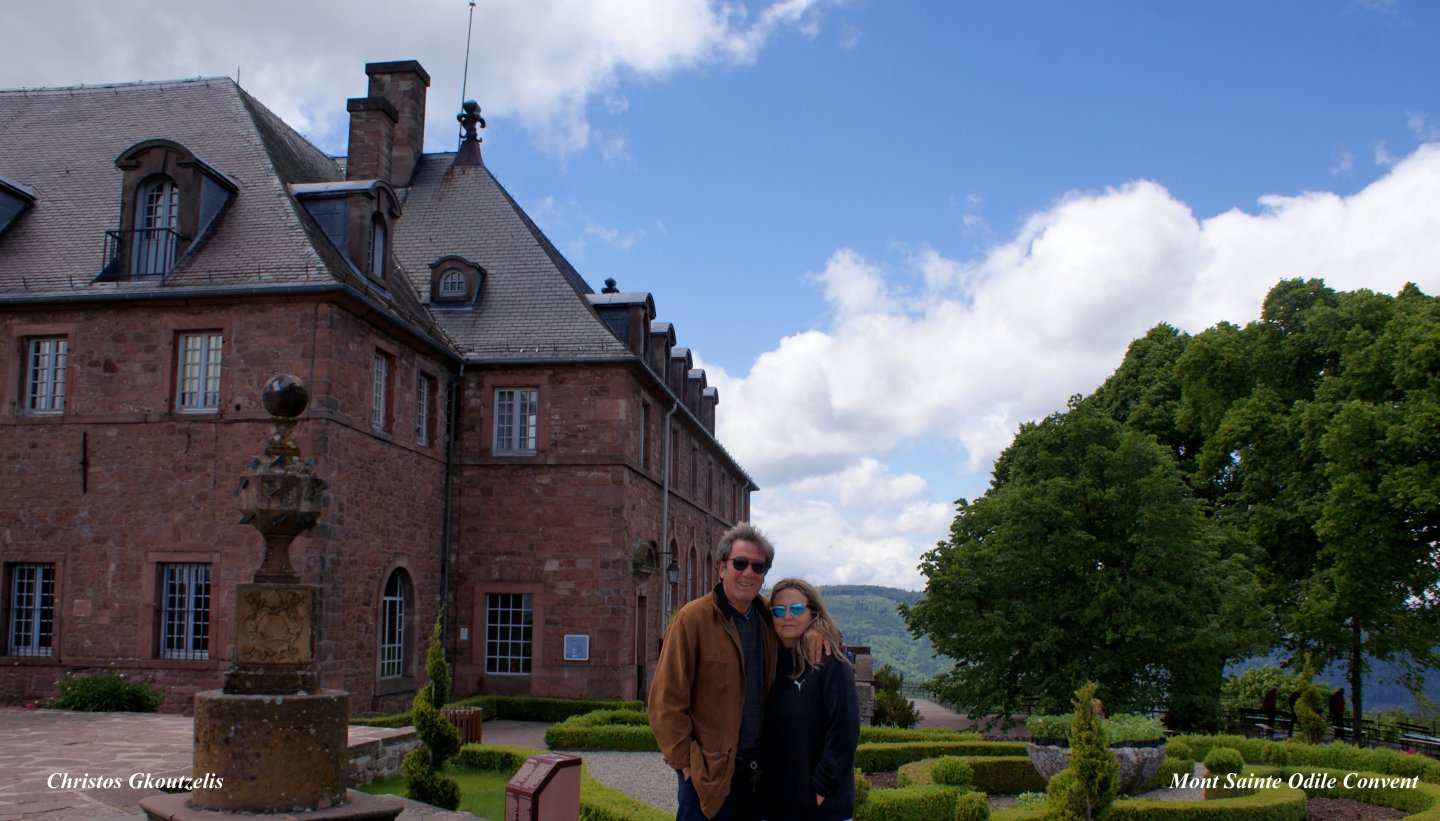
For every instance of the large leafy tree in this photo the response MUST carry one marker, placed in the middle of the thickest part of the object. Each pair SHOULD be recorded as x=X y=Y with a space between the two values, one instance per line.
x=1087 y=559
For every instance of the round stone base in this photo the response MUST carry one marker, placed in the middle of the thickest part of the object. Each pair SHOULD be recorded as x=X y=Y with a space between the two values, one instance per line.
x=270 y=753
x=1137 y=764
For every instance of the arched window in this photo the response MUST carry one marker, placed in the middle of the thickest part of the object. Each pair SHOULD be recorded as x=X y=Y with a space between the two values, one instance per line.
x=452 y=284
x=377 y=247
x=157 y=212
x=393 y=608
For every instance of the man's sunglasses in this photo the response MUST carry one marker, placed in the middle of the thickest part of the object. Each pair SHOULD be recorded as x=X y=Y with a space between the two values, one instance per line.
x=758 y=566
x=797 y=610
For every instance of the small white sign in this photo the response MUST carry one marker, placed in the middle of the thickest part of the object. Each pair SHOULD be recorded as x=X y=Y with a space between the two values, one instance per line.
x=577 y=648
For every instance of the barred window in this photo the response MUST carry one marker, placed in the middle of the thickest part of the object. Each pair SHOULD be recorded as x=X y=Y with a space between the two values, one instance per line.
x=199 y=377
x=45 y=374
x=32 y=609
x=517 y=420
x=509 y=633
x=185 y=610
x=392 y=626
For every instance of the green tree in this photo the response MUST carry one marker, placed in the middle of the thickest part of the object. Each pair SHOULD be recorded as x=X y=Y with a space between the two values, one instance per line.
x=1326 y=457
x=892 y=708
x=1094 y=775
x=1088 y=558
x=439 y=739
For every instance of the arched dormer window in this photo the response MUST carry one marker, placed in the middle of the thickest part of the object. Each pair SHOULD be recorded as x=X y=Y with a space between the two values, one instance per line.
x=157 y=215
x=394 y=613
x=455 y=281
x=170 y=201
x=376 y=253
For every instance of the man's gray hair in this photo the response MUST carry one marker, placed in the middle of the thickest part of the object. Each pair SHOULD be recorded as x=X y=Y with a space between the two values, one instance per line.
x=745 y=532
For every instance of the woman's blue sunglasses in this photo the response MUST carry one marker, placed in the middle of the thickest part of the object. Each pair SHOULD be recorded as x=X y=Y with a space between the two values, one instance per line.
x=797 y=609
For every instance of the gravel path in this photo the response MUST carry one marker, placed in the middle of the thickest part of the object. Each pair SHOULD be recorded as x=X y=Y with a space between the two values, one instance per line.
x=643 y=776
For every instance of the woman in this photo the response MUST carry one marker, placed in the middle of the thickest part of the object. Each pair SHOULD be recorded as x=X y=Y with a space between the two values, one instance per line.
x=812 y=718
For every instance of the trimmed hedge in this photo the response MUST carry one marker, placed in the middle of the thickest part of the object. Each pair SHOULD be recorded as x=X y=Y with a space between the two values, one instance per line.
x=1169 y=768
x=1422 y=801
x=972 y=806
x=1283 y=804
x=492 y=758
x=513 y=708
x=876 y=757
x=1005 y=775
x=609 y=737
x=896 y=735
x=1224 y=760
x=1335 y=756
x=918 y=802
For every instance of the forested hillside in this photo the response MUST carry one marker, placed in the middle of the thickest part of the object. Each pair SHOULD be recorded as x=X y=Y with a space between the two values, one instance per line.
x=867 y=615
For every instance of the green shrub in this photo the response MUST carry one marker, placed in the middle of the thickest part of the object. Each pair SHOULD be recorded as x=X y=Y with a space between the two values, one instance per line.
x=492 y=758
x=874 y=758
x=1332 y=756
x=916 y=772
x=972 y=807
x=920 y=802
x=1005 y=775
x=1282 y=804
x=608 y=729
x=1030 y=799
x=1310 y=707
x=598 y=718
x=1275 y=755
x=1178 y=747
x=1165 y=776
x=893 y=709
x=106 y=693
x=1097 y=775
x=1222 y=760
x=439 y=739
x=513 y=708
x=1422 y=802
x=1120 y=728
x=890 y=735
x=862 y=787
x=953 y=771
x=599 y=802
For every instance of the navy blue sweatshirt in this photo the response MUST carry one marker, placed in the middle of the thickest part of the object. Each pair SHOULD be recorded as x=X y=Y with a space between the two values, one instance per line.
x=812 y=725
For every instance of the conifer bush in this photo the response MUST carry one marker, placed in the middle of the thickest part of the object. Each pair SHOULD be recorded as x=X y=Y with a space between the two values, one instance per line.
x=1084 y=789
x=439 y=739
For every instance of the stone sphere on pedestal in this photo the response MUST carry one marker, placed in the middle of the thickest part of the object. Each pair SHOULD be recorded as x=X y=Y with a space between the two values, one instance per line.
x=285 y=396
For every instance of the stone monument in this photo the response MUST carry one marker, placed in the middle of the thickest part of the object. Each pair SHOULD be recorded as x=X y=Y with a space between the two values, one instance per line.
x=272 y=741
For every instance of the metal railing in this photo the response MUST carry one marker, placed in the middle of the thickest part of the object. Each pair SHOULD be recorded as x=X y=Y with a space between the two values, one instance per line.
x=140 y=252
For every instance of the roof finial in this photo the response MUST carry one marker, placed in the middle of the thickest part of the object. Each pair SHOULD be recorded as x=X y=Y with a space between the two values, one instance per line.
x=610 y=286
x=469 y=118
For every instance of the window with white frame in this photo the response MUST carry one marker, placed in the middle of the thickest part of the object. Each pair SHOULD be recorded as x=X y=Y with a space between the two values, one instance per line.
x=45 y=360
x=380 y=395
x=185 y=610
x=198 y=386
x=517 y=420
x=424 y=408
x=157 y=212
x=32 y=609
x=376 y=255
x=509 y=633
x=392 y=626
x=452 y=284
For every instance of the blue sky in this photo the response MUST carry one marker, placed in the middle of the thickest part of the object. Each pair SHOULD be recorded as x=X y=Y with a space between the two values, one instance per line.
x=890 y=231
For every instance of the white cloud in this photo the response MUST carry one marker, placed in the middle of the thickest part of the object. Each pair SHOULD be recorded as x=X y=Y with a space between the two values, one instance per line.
x=535 y=62
x=962 y=352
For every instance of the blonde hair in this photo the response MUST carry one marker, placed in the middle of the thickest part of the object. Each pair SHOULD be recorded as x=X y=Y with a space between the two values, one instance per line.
x=821 y=623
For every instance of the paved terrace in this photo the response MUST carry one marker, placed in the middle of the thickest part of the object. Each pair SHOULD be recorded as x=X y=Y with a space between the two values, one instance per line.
x=37 y=744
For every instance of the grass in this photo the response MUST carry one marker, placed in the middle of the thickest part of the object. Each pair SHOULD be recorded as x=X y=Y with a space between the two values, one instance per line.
x=481 y=793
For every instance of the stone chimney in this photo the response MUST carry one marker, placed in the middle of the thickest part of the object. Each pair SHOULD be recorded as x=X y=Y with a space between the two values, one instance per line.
x=387 y=128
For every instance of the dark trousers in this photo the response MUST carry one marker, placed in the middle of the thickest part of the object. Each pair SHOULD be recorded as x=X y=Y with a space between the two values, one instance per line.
x=742 y=804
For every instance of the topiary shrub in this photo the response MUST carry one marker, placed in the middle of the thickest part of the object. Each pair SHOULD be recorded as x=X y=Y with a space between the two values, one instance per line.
x=106 y=693
x=862 y=788
x=1178 y=747
x=439 y=740
x=1223 y=760
x=1310 y=706
x=1094 y=777
x=972 y=807
x=952 y=772
x=920 y=802
x=1165 y=776
x=1275 y=755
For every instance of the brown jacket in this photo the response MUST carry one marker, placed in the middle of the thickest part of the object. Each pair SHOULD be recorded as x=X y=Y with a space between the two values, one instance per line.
x=698 y=694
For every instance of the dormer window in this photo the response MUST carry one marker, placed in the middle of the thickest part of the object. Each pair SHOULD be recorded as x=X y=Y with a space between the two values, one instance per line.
x=455 y=280
x=355 y=215
x=170 y=201
x=157 y=215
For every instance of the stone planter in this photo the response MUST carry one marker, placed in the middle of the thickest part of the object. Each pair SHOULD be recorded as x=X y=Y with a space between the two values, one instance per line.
x=1138 y=762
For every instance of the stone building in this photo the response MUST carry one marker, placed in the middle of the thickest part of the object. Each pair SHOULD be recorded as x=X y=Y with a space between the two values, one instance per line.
x=495 y=434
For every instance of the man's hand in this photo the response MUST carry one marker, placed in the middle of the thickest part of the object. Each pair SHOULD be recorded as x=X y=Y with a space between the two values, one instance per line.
x=816 y=645
x=819 y=799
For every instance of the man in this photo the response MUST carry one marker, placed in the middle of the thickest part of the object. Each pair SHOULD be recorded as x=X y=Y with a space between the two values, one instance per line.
x=707 y=702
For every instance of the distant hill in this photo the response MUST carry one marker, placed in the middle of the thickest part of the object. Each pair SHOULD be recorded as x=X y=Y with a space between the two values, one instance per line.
x=867 y=615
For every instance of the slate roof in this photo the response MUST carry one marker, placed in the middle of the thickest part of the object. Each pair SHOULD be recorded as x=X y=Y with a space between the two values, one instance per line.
x=63 y=142
x=532 y=305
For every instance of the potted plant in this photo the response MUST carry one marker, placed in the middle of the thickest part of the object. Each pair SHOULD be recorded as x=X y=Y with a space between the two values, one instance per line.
x=1137 y=742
